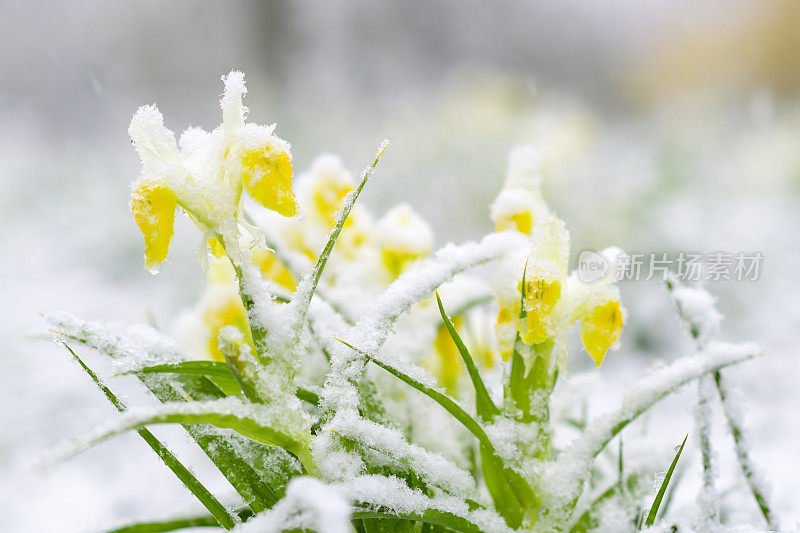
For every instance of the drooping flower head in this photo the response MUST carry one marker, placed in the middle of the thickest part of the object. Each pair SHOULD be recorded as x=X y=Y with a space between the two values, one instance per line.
x=207 y=174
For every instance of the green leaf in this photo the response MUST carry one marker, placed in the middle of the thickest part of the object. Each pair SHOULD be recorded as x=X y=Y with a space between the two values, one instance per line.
x=163 y=526
x=257 y=471
x=483 y=402
x=651 y=517
x=260 y=485
x=167 y=525
x=219 y=373
x=388 y=524
x=505 y=501
x=249 y=424
x=429 y=516
x=218 y=511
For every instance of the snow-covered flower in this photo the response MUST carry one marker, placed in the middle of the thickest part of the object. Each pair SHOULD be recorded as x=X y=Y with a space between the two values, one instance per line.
x=404 y=238
x=520 y=202
x=322 y=191
x=549 y=300
x=207 y=175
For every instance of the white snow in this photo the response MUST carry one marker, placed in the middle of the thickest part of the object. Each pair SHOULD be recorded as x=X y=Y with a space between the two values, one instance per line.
x=308 y=504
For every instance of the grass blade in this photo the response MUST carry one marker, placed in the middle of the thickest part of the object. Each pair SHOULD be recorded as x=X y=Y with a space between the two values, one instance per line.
x=260 y=483
x=218 y=511
x=244 y=418
x=304 y=294
x=742 y=453
x=164 y=526
x=258 y=472
x=655 y=386
x=219 y=373
x=651 y=516
x=167 y=525
x=484 y=405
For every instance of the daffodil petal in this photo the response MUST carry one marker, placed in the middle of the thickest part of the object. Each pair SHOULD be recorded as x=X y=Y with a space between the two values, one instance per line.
x=267 y=176
x=541 y=295
x=153 y=207
x=600 y=329
x=273 y=269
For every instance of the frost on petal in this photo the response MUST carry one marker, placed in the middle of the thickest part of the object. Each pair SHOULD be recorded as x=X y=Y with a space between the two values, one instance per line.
x=233 y=112
x=194 y=141
x=267 y=176
x=541 y=295
x=153 y=207
x=513 y=209
x=222 y=308
x=154 y=142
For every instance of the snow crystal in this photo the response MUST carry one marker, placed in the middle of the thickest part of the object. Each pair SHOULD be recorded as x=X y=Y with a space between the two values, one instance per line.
x=707 y=499
x=430 y=467
x=131 y=347
x=563 y=479
x=393 y=495
x=230 y=407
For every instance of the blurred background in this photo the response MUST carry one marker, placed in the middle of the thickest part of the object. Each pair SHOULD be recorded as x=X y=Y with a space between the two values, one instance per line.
x=664 y=126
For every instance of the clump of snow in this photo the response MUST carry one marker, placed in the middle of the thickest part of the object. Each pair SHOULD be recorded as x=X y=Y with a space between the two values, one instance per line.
x=697 y=307
x=309 y=504
x=431 y=467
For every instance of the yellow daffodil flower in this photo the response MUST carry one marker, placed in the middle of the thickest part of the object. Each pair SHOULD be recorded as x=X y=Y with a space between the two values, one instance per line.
x=322 y=191
x=273 y=269
x=207 y=175
x=446 y=363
